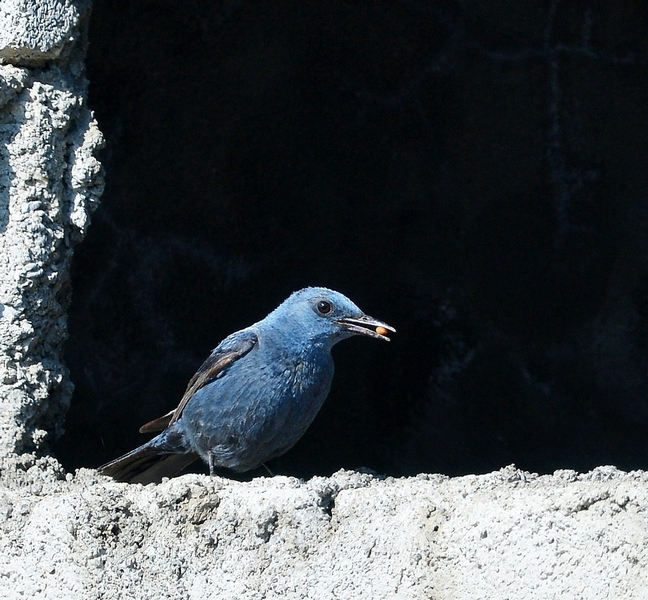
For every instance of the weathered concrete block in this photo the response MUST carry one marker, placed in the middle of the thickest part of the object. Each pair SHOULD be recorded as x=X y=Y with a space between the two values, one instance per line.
x=50 y=182
x=32 y=32
x=507 y=534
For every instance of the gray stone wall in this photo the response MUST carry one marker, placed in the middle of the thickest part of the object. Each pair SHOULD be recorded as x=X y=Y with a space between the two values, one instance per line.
x=508 y=534
x=50 y=182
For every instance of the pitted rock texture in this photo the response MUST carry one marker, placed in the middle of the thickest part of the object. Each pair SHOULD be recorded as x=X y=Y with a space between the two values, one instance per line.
x=35 y=31
x=50 y=182
x=508 y=534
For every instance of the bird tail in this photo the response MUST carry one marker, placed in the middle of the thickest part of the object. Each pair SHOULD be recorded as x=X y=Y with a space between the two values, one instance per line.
x=149 y=463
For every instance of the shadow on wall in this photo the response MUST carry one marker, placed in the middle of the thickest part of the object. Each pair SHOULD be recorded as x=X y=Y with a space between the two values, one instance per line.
x=473 y=173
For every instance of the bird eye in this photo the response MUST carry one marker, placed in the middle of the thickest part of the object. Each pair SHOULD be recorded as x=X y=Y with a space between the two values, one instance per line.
x=324 y=307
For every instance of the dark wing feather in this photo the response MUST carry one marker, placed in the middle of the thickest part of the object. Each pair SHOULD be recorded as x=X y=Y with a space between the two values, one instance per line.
x=146 y=465
x=228 y=351
x=159 y=424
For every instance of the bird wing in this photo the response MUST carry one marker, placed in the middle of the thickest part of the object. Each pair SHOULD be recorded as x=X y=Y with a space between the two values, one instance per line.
x=227 y=352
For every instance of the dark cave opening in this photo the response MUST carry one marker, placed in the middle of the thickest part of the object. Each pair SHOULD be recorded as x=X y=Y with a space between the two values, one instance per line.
x=472 y=173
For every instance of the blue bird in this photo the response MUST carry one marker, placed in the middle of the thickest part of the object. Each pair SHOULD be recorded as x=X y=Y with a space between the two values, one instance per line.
x=256 y=394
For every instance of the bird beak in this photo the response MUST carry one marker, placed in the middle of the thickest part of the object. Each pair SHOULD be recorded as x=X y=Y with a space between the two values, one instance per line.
x=366 y=325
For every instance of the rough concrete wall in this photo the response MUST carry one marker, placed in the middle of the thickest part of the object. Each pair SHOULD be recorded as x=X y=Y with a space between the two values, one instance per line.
x=49 y=184
x=508 y=534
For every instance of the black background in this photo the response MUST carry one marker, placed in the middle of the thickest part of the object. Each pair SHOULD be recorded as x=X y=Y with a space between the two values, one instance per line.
x=473 y=173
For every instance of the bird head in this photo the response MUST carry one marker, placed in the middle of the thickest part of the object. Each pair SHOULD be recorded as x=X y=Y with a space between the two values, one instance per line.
x=327 y=317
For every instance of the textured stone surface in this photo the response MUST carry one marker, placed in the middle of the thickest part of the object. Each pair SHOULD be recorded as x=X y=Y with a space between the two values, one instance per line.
x=35 y=31
x=50 y=182
x=508 y=534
